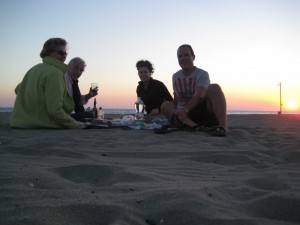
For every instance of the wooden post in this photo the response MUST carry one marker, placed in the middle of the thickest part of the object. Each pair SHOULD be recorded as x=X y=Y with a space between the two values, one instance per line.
x=280 y=103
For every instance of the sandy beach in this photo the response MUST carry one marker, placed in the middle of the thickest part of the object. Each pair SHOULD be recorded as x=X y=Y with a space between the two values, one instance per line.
x=137 y=177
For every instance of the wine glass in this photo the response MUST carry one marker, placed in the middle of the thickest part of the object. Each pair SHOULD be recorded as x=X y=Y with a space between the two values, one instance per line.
x=94 y=86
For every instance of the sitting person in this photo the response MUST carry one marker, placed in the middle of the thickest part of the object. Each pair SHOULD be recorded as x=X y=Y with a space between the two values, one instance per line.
x=152 y=92
x=197 y=103
x=76 y=68
x=42 y=99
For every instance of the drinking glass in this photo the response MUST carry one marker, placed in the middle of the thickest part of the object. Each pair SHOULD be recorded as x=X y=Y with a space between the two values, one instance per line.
x=94 y=86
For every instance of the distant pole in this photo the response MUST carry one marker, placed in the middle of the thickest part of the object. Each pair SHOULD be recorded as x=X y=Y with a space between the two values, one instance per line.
x=280 y=103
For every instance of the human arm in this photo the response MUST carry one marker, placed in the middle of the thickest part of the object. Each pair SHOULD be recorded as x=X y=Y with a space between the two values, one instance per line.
x=55 y=92
x=166 y=94
x=154 y=112
x=198 y=94
x=92 y=93
x=175 y=101
x=160 y=95
x=197 y=98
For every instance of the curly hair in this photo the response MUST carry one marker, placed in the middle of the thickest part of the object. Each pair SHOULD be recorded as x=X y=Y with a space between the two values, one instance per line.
x=51 y=45
x=145 y=63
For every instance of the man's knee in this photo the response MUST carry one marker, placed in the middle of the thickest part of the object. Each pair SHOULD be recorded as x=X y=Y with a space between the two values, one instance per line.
x=214 y=88
x=167 y=105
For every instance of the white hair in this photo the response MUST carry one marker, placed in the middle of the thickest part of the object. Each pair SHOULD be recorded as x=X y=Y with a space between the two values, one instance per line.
x=77 y=61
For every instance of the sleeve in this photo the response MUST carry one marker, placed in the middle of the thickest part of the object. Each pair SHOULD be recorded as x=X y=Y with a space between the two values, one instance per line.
x=138 y=93
x=203 y=80
x=54 y=94
x=84 y=99
x=166 y=93
x=17 y=89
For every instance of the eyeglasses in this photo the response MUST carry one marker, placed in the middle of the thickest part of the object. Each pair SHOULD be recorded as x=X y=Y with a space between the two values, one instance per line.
x=62 y=53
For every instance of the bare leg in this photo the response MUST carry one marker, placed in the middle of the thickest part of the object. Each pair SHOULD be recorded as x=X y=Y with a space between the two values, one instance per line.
x=168 y=108
x=216 y=104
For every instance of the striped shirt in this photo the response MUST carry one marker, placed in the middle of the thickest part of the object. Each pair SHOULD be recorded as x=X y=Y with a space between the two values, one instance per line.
x=184 y=86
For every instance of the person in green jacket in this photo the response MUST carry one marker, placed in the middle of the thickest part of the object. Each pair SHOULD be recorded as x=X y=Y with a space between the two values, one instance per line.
x=42 y=99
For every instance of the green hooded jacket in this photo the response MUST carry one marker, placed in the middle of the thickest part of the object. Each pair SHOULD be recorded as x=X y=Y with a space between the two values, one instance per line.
x=42 y=98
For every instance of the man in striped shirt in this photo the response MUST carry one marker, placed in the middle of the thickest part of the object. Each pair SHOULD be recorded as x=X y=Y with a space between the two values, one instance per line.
x=197 y=103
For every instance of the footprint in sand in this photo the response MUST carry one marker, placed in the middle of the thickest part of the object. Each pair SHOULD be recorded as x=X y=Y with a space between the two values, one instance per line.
x=268 y=183
x=41 y=150
x=225 y=159
x=97 y=175
x=275 y=207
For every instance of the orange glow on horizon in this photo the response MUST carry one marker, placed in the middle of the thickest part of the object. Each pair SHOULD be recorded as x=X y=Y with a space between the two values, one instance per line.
x=124 y=97
x=291 y=104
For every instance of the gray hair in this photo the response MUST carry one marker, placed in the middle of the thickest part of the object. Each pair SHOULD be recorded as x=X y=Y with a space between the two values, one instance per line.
x=77 y=61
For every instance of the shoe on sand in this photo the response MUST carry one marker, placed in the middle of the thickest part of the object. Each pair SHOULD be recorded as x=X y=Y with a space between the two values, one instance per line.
x=216 y=131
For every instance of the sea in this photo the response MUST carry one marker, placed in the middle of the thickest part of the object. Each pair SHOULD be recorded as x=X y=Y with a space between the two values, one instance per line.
x=132 y=111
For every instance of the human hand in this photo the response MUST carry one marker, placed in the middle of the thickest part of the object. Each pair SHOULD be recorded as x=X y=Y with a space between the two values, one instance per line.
x=80 y=125
x=93 y=92
x=154 y=112
x=181 y=114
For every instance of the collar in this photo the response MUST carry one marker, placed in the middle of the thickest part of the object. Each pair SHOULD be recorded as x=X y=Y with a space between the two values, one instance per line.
x=56 y=63
x=150 y=81
x=69 y=78
x=185 y=74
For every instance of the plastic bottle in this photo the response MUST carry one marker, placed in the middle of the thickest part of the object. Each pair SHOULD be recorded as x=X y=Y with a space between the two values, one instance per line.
x=139 y=111
x=101 y=113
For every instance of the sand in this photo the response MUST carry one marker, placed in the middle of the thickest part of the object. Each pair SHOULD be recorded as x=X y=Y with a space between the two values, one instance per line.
x=137 y=177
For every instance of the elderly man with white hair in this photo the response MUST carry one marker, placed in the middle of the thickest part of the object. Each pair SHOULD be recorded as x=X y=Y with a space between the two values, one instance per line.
x=75 y=70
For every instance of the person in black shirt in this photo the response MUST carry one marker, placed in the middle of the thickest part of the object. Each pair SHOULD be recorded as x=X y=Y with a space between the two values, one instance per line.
x=152 y=92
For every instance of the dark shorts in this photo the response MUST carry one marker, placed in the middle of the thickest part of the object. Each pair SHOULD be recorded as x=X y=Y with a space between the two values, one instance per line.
x=201 y=116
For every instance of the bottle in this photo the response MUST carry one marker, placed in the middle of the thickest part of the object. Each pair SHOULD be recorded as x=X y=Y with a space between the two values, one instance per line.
x=139 y=111
x=101 y=113
x=95 y=110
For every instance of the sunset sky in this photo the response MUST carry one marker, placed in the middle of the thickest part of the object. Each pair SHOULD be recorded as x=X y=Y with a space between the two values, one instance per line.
x=247 y=46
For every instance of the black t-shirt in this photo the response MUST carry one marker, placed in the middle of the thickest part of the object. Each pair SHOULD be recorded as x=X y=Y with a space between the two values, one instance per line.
x=155 y=94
